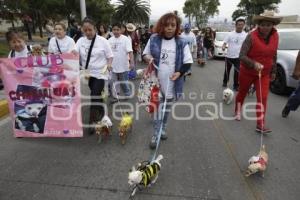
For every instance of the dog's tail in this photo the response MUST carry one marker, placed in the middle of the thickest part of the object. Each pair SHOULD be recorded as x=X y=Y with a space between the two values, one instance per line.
x=159 y=158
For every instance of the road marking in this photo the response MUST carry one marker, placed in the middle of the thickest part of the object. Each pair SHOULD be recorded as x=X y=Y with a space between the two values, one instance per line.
x=256 y=194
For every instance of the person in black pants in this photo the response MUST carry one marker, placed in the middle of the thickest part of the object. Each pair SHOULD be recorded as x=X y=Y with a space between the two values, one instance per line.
x=234 y=41
x=96 y=110
x=294 y=100
x=236 y=66
x=96 y=58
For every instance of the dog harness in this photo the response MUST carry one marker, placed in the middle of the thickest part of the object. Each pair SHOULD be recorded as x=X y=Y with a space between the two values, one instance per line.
x=149 y=172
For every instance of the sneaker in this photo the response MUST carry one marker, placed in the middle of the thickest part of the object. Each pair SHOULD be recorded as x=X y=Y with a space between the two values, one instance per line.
x=113 y=100
x=263 y=130
x=238 y=117
x=163 y=136
x=153 y=142
x=285 y=112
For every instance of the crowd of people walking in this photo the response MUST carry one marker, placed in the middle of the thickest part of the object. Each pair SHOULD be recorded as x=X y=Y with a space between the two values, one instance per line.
x=108 y=53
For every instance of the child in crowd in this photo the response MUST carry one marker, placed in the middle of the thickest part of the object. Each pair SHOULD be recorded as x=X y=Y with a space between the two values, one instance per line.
x=122 y=49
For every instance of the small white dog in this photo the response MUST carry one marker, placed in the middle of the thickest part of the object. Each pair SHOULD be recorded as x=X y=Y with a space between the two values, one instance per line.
x=258 y=163
x=139 y=73
x=103 y=128
x=228 y=95
x=145 y=174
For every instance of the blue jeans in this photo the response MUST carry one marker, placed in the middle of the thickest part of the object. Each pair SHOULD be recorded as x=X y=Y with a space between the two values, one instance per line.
x=294 y=100
x=123 y=77
x=158 y=119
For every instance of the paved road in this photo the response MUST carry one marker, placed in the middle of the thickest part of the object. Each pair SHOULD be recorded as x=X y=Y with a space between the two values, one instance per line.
x=204 y=159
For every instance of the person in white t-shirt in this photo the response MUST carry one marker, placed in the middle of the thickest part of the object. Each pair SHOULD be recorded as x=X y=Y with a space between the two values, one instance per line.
x=96 y=58
x=234 y=40
x=17 y=45
x=122 y=51
x=172 y=56
x=190 y=38
x=61 y=43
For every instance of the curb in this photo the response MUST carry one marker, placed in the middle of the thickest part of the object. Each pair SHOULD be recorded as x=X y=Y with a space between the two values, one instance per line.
x=3 y=108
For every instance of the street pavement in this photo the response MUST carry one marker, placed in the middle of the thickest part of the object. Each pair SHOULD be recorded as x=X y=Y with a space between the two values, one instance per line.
x=203 y=159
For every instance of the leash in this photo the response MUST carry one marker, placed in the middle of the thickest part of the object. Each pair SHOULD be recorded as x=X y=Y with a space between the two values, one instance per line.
x=161 y=120
x=262 y=128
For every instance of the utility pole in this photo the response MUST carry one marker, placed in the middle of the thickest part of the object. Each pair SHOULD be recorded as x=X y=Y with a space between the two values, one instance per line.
x=82 y=9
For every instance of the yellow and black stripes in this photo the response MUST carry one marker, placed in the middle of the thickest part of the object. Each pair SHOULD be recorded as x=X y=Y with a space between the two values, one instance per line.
x=149 y=173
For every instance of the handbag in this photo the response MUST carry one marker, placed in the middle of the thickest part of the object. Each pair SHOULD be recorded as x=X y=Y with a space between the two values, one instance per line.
x=148 y=90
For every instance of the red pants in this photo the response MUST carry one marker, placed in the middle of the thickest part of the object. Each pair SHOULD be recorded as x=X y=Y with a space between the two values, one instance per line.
x=245 y=81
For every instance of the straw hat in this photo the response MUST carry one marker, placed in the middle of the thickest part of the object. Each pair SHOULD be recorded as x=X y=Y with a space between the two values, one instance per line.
x=130 y=27
x=267 y=16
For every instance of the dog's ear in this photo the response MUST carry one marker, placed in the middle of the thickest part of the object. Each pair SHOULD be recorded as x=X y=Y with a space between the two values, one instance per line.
x=132 y=169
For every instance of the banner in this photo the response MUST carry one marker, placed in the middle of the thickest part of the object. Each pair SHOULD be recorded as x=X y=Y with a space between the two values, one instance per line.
x=43 y=93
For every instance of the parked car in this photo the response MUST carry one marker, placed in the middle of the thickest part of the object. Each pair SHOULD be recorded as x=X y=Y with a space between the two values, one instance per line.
x=218 y=43
x=289 y=45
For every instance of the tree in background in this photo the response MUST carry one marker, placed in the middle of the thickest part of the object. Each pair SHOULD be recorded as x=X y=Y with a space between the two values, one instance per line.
x=249 y=8
x=41 y=10
x=200 y=10
x=134 y=11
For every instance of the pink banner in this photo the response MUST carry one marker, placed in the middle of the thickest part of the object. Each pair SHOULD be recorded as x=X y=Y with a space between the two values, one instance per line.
x=44 y=95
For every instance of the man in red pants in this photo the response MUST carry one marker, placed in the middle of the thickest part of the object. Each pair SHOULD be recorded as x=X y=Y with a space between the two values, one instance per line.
x=258 y=65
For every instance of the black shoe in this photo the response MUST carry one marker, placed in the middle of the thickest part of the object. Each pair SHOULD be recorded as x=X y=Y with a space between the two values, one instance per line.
x=224 y=85
x=188 y=73
x=285 y=112
x=236 y=89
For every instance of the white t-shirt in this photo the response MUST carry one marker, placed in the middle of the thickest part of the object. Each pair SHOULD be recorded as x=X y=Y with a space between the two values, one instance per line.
x=101 y=52
x=66 y=44
x=23 y=53
x=190 y=38
x=234 y=41
x=120 y=47
x=167 y=64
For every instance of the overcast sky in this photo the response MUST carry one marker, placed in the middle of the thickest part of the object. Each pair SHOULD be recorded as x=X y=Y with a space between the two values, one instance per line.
x=159 y=7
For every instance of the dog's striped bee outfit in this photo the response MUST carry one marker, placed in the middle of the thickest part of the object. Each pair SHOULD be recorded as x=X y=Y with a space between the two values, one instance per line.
x=150 y=171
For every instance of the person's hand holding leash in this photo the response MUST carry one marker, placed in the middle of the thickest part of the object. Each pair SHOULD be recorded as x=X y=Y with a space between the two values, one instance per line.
x=175 y=76
x=258 y=67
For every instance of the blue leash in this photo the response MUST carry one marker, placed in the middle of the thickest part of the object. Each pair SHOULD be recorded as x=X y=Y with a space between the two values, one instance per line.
x=161 y=120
